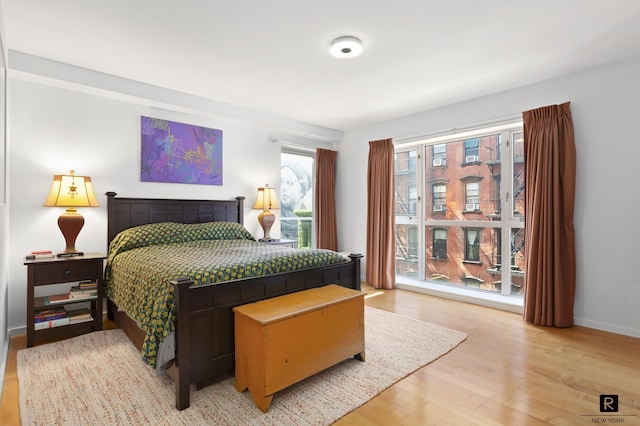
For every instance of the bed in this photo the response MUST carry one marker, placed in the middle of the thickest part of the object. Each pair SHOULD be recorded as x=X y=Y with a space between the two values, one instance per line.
x=201 y=311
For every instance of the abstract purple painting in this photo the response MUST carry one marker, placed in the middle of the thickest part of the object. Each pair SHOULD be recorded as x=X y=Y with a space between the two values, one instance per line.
x=180 y=153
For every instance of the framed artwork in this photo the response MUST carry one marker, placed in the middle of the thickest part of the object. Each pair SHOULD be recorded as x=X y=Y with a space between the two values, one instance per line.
x=180 y=153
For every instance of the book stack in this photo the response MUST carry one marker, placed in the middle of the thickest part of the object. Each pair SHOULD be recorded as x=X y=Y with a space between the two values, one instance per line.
x=83 y=290
x=50 y=317
x=40 y=254
x=79 y=315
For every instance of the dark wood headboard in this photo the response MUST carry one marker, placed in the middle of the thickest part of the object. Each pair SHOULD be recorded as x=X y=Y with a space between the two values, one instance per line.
x=125 y=213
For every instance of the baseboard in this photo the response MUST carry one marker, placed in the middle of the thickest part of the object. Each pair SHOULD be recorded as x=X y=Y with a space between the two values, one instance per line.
x=611 y=328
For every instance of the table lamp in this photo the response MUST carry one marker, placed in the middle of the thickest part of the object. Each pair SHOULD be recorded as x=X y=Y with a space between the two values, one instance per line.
x=266 y=201
x=71 y=191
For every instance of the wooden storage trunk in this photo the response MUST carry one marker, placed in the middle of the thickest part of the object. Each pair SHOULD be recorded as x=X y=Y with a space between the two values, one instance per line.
x=283 y=340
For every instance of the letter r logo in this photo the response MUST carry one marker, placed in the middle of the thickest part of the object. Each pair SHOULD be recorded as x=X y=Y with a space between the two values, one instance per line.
x=608 y=403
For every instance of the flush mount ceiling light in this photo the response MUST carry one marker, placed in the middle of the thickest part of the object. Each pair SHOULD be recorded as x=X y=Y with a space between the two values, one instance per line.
x=346 y=47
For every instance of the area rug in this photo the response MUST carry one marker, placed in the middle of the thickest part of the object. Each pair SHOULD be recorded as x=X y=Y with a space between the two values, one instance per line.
x=99 y=378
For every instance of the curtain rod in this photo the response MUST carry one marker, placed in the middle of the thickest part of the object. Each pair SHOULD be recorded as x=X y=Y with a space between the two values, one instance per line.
x=505 y=121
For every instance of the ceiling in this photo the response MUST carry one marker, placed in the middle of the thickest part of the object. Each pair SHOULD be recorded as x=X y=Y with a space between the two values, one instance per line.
x=273 y=56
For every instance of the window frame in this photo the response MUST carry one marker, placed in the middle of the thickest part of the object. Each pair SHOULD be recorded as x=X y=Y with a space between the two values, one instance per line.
x=312 y=186
x=501 y=156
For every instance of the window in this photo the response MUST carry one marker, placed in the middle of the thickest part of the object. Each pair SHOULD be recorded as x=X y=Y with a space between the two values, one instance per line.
x=439 y=155
x=406 y=203
x=471 y=150
x=296 y=195
x=517 y=141
x=472 y=196
x=454 y=239
x=472 y=245
x=413 y=198
x=407 y=250
x=439 y=243
x=412 y=232
x=439 y=198
x=408 y=240
x=412 y=161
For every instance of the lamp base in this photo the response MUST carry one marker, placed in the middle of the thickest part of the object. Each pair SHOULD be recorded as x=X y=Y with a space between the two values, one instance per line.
x=70 y=254
x=70 y=223
x=267 y=240
x=266 y=219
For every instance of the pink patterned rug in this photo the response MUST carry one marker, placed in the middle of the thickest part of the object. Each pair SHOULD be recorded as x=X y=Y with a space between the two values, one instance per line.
x=99 y=378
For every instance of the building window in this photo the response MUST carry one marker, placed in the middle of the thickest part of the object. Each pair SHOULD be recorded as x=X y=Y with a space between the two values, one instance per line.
x=472 y=196
x=413 y=198
x=439 y=243
x=471 y=152
x=472 y=245
x=439 y=198
x=439 y=155
x=413 y=160
x=412 y=234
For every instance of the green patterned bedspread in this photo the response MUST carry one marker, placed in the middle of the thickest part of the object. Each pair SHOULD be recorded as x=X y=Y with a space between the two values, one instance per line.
x=141 y=264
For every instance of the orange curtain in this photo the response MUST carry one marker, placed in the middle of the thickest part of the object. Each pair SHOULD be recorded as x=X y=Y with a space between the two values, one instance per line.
x=325 y=205
x=550 y=174
x=380 y=271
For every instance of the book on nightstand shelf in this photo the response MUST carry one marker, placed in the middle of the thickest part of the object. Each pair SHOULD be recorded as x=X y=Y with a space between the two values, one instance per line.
x=79 y=315
x=51 y=323
x=83 y=290
x=40 y=254
x=45 y=315
x=57 y=299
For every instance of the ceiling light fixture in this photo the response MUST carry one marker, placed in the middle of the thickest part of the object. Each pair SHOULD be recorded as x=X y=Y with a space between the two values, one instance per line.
x=346 y=47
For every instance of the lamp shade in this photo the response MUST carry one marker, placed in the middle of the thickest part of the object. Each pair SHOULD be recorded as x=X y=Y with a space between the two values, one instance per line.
x=266 y=199
x=71 y=191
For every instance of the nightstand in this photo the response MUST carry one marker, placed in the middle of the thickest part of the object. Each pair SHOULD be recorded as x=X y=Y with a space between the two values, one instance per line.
x=61 y=270
x=279 y=242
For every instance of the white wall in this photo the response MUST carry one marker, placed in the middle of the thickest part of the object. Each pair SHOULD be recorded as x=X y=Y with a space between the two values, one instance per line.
x=605 y=104
x=56 y=126
x=4 y=215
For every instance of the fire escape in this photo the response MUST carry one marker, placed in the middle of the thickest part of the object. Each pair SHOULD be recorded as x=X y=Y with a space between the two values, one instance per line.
x=402 y=208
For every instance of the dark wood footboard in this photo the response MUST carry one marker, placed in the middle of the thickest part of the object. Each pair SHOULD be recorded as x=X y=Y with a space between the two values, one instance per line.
x=204 y=318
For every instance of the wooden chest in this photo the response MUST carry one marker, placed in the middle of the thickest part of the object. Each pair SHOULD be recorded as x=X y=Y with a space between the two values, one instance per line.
x=283 y=340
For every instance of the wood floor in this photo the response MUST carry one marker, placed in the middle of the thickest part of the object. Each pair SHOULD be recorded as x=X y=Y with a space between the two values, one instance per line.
x=506 y=373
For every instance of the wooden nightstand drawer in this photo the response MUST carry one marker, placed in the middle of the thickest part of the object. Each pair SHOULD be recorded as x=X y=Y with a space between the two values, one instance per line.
x=64 y=272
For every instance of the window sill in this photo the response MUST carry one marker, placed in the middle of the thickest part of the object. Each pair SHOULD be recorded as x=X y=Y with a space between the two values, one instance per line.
x=491 y=300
